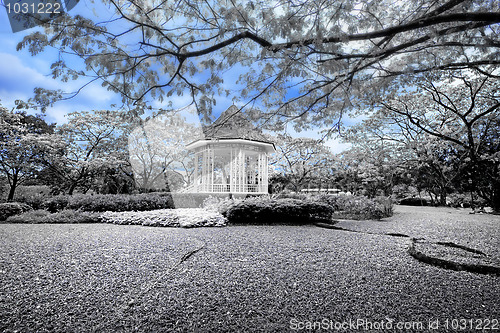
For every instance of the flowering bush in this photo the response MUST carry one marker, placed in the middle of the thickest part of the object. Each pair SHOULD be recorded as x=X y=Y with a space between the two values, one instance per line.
x=182 y=217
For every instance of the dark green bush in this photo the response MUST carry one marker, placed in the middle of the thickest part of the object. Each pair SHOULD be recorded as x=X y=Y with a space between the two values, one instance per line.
x=56 y=203
x=8 y=209
x=414 y=202
x=65 y=216
x=264 y=210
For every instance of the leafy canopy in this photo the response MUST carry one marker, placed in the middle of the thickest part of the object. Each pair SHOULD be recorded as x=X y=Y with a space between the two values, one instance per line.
x=305 y=61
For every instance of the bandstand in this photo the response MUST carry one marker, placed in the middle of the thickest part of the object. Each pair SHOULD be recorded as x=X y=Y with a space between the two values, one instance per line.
x=231 y=158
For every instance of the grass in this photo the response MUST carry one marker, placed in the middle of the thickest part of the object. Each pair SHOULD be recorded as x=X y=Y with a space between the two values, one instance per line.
x=111 y=278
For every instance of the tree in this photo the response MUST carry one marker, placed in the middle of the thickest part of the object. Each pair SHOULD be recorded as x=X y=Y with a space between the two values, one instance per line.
x=451 y=124
x=327 y=53
x=300 y=161
x=26 y=143
x=371 y=166
x=95 y=142
x=157 y=151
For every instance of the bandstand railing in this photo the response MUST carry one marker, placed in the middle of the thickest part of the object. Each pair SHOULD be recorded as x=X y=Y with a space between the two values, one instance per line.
x=225 y=188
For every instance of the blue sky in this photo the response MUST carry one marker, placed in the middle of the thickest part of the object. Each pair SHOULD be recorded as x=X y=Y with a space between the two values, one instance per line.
x=20 y=73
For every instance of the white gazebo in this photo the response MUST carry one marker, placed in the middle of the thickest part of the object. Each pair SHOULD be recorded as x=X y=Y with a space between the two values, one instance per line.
x=233 y=157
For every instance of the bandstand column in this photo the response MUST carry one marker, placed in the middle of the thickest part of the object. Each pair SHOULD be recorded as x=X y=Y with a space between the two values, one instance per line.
x=197 y=164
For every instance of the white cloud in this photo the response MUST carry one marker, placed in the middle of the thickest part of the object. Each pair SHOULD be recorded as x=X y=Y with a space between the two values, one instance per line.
x=337 y=146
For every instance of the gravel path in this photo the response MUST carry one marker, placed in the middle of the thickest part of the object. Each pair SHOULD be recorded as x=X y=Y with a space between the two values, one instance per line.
x=441 y=224
x=111 y=278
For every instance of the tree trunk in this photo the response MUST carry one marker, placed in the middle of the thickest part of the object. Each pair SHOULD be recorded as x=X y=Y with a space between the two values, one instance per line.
x=13 y=187
x=442 y=197
x=72 y=188
x=495 y=201
x=12 y=190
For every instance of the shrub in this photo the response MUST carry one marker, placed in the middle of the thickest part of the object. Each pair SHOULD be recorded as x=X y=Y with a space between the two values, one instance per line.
x=183 y=217
x=65 y=216
x=285 y=195
x=414 y=202
x=264 y=210
x=387 y=205
x=33 y=195
x=464 y=200
x=56 y=203
x=8 y=209
x=358 y=207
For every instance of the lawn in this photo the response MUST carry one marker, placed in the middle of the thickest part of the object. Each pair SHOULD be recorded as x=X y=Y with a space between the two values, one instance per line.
x=112 y=278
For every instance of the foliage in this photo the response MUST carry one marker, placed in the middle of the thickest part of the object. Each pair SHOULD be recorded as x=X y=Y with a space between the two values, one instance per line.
x=157 y=151
x=359 y=208
x=368 y=167
x=443 y=132
x=464 y=200
x=299 y=162
x=65 y=216
x=329 y=52
x=263 y=210
x=8 y=209
x=94 y=144
x=290 y=195
x=26 y=143
x=32 y=195
x=402 y=191
x=184 y=217
x=414 y=201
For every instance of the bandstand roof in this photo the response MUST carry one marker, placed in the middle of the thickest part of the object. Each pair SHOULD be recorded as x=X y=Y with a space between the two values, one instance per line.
x=268 y=147
x=233 y=127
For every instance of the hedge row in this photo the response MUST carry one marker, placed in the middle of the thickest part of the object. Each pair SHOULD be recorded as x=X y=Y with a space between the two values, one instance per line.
x=118 y=202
